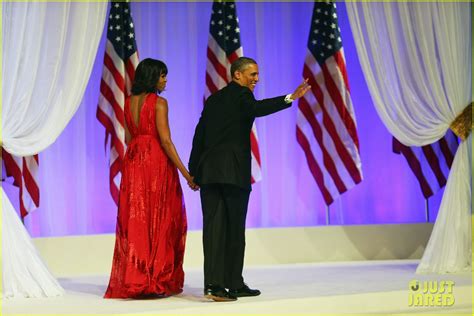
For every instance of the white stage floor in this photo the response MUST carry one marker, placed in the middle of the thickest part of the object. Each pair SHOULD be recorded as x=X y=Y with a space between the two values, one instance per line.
x=346 y=287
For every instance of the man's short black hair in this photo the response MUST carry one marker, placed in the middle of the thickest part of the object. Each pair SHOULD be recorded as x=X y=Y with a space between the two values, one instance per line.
x=240 y=64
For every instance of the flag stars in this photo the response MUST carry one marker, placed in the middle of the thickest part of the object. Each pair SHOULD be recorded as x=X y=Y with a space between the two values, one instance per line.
x=314 y=42
x=131 y=35
x=332 y=36
x=316 y=21
x=329 y=46
x=117 y=5
x=130 y=47
x=117 y=38
x=333 y=26
x=111 y=27
x=339 y=39
x=131 y=25
x=334 y=15
x=126 y=10
x=224 y=25
x=117 y=27
x=316 y=31
x=117 y=17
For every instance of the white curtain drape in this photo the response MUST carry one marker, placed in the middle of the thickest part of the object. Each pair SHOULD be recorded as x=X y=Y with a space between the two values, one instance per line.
x=48 y=54
x=23 y=271
x=416 y=59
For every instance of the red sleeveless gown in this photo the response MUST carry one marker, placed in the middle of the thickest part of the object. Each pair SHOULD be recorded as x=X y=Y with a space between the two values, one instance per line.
x=151 y=221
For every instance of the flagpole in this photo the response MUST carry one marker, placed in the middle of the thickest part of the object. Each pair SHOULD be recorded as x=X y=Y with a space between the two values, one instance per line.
x=427 y=210
x=328 y=219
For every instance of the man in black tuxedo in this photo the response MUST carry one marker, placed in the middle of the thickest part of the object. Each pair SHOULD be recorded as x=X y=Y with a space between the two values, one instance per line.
x=220 y=163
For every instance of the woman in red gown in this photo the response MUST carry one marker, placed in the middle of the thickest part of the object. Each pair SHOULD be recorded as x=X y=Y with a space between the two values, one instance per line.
x=151 y=220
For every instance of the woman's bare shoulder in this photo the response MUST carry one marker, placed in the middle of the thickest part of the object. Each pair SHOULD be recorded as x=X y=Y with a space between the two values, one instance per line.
x=160 y=101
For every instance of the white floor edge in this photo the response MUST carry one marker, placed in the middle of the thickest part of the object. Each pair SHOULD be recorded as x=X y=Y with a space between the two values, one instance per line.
x=380 y=287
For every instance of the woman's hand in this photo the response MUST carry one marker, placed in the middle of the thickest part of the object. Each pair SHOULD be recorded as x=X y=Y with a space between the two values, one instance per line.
x=191 y=184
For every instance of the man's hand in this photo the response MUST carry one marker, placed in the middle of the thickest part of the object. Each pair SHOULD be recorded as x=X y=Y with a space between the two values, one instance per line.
x=301 y=90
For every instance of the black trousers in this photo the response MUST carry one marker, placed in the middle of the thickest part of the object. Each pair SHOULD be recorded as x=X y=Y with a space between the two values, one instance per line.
x=224 y=209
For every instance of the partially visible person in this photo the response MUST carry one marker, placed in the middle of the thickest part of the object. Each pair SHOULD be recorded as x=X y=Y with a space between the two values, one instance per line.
x=151 y=220
x=220 y=161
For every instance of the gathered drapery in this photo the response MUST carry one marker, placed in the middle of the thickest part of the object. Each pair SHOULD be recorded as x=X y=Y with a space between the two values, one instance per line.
x=48 y=53
x=416 y=59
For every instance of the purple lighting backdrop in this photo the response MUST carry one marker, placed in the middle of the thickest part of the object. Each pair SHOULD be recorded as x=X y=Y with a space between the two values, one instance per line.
x=75 y=197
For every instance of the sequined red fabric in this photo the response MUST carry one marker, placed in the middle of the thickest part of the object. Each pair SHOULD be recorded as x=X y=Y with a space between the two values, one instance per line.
x=151 y=220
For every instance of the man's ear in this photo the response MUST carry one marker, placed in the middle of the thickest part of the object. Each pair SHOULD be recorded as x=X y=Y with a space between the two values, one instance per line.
x=237 y=74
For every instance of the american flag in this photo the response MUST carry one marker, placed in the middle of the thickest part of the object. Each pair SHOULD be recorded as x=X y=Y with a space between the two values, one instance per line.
x=223 y=48
x=430 y=163
x=326 y=124
x=120 y=62
x=24 y=171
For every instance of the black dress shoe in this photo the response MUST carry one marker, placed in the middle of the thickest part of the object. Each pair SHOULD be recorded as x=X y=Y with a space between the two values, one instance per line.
x=244 y=291
x=218 y=294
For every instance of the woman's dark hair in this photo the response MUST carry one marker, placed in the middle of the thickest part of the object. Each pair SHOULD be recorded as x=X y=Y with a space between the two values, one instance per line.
x=147 y=75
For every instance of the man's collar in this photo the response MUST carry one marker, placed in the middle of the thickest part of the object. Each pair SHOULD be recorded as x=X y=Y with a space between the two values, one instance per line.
x=232 y=82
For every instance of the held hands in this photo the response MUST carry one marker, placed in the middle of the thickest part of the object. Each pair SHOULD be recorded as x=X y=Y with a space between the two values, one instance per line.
x=193 y=186
x=301 y=90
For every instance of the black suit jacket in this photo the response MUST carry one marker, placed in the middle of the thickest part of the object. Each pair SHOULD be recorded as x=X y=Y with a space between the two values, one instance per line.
x=221 y=143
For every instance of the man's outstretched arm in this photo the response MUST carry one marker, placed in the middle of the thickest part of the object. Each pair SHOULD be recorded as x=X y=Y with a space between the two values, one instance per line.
x=264 y=107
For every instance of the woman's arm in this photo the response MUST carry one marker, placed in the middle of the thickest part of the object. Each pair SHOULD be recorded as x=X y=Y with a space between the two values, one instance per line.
x=165 y=138
x=127 y=134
